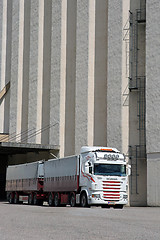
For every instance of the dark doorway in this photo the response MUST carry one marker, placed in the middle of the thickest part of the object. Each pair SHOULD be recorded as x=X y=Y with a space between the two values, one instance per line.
x=3 y=164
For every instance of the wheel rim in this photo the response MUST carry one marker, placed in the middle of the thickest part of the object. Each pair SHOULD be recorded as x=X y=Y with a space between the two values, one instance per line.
x=10 y=198
x=83 y=200
x=73 y=201
x=30 y=199
x=50 y=200
x=35 y=200
x=16 y=198
x=56 y=201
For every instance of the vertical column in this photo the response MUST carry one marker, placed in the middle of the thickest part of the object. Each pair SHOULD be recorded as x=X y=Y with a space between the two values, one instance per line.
x=91 y=71
x=5 y=59
x=46 y=72
x=114 y=82
x=58 y=74
x=8 y=66
x=20 y=66
x=70 y=78
x=25 y=89
x=3 y=42
x=36 y=71
x=81 y=116
x=15 y=81
x=84 y=73
x=63 y=76
x=100 y=102
x=40 y=70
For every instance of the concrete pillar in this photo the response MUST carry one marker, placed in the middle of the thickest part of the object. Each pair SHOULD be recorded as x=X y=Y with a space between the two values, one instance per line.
x=16 y=69
x=114 y=83
x=36 y=71
x=58 y=73
x=100 y=96
x=84 y=74
x=70 y=78
x=3 y=41
x=91 y=72
x=46 y=72
x=25 y=89
x=5 y=59
x=152 y=102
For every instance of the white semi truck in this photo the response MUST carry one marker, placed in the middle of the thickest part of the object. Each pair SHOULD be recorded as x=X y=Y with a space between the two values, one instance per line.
x=98 y=176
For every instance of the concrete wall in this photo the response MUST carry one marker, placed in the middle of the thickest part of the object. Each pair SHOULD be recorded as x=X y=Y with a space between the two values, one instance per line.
x=59 y=90
x=152 y=102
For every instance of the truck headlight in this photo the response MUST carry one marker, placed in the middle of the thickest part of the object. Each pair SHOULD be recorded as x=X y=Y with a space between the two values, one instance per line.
x=95 y=195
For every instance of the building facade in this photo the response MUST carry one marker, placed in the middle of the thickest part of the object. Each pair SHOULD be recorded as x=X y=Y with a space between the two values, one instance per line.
x=82 y=72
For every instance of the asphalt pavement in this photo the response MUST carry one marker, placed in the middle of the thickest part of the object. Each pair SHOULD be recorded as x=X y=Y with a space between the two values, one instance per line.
x=23 y=222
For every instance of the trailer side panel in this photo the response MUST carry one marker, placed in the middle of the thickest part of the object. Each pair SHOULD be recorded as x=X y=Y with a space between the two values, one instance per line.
x=22 y=177
x=61 y=175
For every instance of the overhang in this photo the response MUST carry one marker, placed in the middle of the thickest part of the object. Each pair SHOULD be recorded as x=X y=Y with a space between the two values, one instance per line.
x=11 y=148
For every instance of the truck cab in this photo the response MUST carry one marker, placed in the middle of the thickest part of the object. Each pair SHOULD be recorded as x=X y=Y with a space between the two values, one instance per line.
x=103 y=177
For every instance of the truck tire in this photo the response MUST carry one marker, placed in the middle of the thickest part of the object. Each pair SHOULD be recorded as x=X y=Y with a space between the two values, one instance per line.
x=35 y=200
x=11 y=198
x=50 y=200
x=30 y=199
x=56 y=200
x=16 y=198
x=72 y=200
x=84 y=201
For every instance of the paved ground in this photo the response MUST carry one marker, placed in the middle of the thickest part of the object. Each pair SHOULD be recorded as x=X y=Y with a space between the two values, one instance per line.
x=23 y=222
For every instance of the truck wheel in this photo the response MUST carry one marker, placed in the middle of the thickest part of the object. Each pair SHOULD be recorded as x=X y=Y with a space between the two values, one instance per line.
x=35 y=200
x=84 y=202
x=11 y=198
x=30 y=199
x=50 y=200
x=16 y=198
x=56 y=200
x=72 y=200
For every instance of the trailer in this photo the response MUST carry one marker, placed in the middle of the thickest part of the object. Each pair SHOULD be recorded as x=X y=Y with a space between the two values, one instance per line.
x=98 y=176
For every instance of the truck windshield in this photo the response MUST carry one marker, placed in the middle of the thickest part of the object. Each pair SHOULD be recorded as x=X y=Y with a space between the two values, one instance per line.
x=110 y=169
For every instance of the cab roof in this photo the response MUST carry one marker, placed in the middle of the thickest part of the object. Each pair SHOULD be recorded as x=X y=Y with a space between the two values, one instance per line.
x=86 y=149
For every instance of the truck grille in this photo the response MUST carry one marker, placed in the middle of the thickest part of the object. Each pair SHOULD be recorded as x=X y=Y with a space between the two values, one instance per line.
x=111 y=190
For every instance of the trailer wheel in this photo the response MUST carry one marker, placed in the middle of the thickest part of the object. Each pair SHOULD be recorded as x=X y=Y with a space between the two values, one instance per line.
x=35 y=200
x=83 y=201
x=56 y=200
x=11 y=198
x=30 y=199
x=16 y=198
x=72 y=200
x=50 y=200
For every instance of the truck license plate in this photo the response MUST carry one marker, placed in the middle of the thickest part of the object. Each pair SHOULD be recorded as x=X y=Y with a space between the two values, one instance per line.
x=111 y=203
